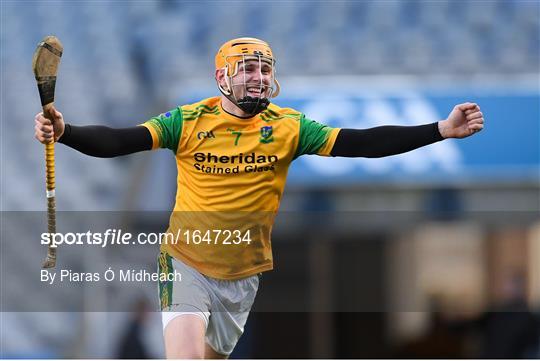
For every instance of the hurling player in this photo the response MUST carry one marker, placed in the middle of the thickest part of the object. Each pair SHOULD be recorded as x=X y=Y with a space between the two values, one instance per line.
x=233 y=152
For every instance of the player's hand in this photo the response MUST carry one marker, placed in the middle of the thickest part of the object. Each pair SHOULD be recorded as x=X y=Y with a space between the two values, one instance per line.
x=47 y=130
x=464 y=120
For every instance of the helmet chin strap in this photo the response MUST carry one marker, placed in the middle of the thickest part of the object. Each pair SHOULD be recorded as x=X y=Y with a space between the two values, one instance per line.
x=248 y=104
x=252 y=105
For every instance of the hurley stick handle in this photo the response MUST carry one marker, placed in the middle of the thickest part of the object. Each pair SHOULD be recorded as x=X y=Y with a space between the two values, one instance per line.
x=50 y=178
x=50 y=261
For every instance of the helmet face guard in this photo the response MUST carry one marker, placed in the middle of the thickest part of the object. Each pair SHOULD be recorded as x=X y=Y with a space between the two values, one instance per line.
x=233 y=58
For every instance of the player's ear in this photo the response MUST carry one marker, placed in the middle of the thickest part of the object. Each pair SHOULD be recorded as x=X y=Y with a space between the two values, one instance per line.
x=220 y=75
x=221 y=80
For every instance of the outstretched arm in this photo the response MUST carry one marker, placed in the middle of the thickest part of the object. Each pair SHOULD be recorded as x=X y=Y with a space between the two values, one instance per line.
x=464 y=120
x=97 y=141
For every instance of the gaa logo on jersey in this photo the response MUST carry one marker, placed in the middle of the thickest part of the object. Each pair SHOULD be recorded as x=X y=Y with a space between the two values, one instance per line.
x=209 y=134
x=266 y=134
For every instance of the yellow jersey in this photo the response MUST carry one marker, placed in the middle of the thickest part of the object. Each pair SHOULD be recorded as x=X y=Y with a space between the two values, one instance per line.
x=231 y=176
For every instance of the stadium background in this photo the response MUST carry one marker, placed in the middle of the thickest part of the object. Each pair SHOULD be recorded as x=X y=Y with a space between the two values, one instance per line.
x=402 y=256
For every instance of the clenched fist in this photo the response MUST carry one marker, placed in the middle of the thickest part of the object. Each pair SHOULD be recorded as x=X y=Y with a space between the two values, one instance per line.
x=464 y=120
x=47 y=130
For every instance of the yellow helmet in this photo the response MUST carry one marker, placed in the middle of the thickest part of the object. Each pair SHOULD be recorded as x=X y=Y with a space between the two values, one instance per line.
x=235 y=51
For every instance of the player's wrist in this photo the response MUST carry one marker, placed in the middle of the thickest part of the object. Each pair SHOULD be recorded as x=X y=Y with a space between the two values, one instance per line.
x=64 y=134
x=443 y=128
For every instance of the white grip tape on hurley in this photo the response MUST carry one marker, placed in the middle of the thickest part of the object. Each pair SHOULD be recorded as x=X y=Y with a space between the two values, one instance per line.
x=50 y=194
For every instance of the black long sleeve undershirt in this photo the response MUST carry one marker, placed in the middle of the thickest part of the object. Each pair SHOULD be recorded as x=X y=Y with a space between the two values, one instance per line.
x=105 y=142
x=384 y=141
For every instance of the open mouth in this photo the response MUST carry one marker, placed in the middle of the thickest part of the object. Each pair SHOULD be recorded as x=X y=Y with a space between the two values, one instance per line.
x=254 y=91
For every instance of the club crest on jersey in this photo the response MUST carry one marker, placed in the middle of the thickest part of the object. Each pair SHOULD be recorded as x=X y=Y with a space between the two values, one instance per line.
x=266 y=134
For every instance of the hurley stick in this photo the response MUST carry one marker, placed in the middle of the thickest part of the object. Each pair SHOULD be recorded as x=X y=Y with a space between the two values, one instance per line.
x=45 y=66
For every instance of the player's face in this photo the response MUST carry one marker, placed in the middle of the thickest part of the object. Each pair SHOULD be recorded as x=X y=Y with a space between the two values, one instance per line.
x=253 y=78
